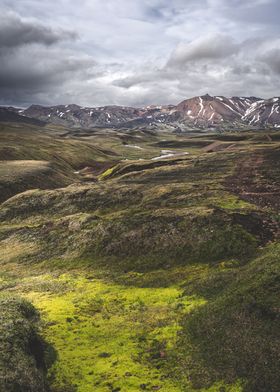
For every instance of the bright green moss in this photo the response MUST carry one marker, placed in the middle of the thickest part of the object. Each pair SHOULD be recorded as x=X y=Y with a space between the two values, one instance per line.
x=109 y=336
x=107 y=173
x=104 y=333
x=232 y=202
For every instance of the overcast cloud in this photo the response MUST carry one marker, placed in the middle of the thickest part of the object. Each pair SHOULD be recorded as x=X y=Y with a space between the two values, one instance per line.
x=139 y=52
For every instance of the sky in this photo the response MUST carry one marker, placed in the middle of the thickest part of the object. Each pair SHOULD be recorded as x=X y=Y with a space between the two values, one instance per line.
x=137 y=52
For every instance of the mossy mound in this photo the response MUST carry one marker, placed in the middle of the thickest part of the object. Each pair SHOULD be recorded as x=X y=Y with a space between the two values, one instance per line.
x=138 y=242
x=22 y=363
x=237 y=336
x=32 y=157
x=17 y=176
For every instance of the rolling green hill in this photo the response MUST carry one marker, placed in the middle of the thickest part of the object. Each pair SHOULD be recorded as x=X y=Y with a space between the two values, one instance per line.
x=149 y=274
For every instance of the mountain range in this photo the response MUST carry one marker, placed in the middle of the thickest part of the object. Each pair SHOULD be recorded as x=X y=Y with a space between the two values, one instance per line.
x=202 y=112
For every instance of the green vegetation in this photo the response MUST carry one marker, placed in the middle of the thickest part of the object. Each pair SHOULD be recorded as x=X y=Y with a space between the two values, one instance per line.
x=22 y=362
x=17 y=176
x=237 y=335
x=110 y=330
x=30 y=158
x=148 y=275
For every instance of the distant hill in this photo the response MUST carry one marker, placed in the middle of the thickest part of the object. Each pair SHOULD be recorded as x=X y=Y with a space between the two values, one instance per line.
x=11 y=114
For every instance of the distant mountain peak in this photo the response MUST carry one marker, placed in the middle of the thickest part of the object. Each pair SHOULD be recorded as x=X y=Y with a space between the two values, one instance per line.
x=198 y=112
x=207 y=96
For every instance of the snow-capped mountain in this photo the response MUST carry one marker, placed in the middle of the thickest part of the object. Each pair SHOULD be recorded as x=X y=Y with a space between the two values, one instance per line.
x=207 y=110
x=264 y=112
x=106 y=116
x=199 y=112
x=77 y=116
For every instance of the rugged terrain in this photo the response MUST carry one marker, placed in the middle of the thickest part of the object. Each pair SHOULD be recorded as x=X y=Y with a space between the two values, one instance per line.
x=152 y=259
x=203 y=112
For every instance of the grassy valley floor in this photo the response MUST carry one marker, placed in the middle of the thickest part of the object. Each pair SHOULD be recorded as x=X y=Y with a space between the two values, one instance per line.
x=143 y=274
x=109 y=337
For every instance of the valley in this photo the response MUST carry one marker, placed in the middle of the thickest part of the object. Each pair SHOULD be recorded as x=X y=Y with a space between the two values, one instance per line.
x=140 y=259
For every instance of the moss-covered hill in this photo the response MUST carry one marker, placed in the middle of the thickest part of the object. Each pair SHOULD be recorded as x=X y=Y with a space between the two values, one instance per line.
x=23 y=361
x=162 y=275
x=34 y=157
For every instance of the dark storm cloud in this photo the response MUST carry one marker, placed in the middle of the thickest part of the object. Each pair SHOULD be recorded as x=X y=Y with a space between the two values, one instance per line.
x=28 y=73
x=15 y=31
x=32 y=62
x=137 y=53
x=38 y=68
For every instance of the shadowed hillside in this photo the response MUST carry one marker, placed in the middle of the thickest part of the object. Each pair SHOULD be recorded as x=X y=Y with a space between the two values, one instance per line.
x=23 y=360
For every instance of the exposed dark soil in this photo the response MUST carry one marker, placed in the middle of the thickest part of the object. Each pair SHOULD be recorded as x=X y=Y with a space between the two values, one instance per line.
x=256 y=178
x=181 y=143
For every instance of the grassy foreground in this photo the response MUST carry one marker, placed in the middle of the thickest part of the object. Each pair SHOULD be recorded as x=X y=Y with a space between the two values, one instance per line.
x=159 y=275
x=107 y=336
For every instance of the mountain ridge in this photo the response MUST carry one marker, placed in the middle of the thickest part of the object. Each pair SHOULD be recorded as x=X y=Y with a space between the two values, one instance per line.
x=201 y=112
